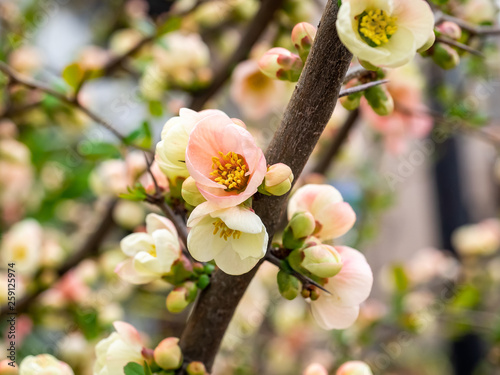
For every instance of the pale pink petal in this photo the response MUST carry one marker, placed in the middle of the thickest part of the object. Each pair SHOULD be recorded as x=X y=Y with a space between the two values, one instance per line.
x=128 y=334
x=127 y=272
x=336 y=220
x=155 y=222
x=354 y=282
x=329 y=315
x=417 y=16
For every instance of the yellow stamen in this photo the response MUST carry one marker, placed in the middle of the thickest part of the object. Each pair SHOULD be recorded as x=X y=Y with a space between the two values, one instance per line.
x=376 y=27
x=230 y=170
x=225 y=232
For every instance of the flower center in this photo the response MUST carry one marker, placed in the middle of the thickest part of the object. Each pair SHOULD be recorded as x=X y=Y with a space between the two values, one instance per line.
x=229 y=170
x=20 y=252
x=225 y=232
x=376 y=27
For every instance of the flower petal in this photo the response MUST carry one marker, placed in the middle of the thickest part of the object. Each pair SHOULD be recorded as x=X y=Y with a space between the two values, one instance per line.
x=127 y=272
x=329 y=315
x=136 y=242
x=202 y=244
x=232 y=264
x=167 y=249
x=251 y=245
x=417 y=16
x=354 y=282
x=336 y=220
x=240 y=218
x=128 y=334
x=155 y=222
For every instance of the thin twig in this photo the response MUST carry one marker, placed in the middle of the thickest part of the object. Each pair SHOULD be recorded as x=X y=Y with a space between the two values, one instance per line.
x=363 y=87
x=357 y=72
x=271 y=258
x=35 y=85
x=464 y=47
x=472 y=29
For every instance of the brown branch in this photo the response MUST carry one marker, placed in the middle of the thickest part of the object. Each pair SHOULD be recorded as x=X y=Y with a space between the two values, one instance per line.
x=304 y=120
x=17 y=78
x=471 y=28
x=306 y=281
x=363 y=87
x=464 y=47
x=255 y=29
x=89 y=248
x=328 y=157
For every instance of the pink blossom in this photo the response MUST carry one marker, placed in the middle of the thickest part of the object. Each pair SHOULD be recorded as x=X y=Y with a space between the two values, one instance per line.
x=333 y=216
x=348 y=289
x=224 y=160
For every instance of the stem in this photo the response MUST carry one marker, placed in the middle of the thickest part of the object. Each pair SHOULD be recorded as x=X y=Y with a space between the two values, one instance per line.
x=255 y=29
x=304 y=120
x=327 y=158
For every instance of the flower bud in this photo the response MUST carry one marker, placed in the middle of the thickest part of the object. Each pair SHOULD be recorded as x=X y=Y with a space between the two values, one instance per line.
x=279 y=63
x=180 y=298
x=288 y=285
x=450 y=29
x=6 y=369
x=279 y=178
x=315 y=369
x=354 y=368
x=196 y=368
x=168 y=354
x=302 y=224
x=190 y=192
x=322 y=261
x=303 y=35
x=380 y=100
x=351 y=102
x=445 y=56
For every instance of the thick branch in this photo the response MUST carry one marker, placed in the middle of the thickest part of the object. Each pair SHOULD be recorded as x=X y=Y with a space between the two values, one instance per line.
x=329 y=156
x=255 y=29
x=305 y=118
x=88 y=249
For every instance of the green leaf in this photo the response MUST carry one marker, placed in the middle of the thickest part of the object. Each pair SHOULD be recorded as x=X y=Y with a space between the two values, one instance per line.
x=141 y=137
x=137 y=193
x=73 y=75
x=147 y=369
x=98 y=150
x=400 y=278
x=133 y=368
x=172 y=24
x=156 y=108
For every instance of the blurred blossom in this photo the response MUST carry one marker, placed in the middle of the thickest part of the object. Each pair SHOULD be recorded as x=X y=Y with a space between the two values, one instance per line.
x=71 y=288
x=26 y=60
x=53 y=175
x=129 y=214
x=409 y=120
x=124 y=40
x=87 y=271
x=109 y=313
x=20 y=287
x=22 y=245
x=315 y=369
x=8 y=129
x=136 y=9
x=44 y=364
x=481 y=239
x=52 y=253
x=429 y=263
x=257 y=95
x=93 y=58
x=74 y=349
x=354 y=368
x=478 y=11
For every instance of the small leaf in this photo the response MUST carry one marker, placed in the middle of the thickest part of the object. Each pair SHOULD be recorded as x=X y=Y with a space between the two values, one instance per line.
x=133 y=368
x=172 y=24
x=156 y=108
x=140 y=137
x=147 y=369
x=73 y=75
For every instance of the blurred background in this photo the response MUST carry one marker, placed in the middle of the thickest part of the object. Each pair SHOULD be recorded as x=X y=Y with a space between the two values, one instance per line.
x=424 y=184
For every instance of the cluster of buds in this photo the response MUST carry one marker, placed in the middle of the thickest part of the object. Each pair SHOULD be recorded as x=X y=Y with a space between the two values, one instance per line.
x=378 y=97
x=444 y=55
x=168 y=356
x=280 y=63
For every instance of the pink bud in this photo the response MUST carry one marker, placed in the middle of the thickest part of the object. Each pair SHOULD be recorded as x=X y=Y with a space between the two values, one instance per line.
x=354 y=368
x=450 y=29
x=7 y=369
x=278 y=180
x=168 y=354
x=303 y=35
x=280 y=63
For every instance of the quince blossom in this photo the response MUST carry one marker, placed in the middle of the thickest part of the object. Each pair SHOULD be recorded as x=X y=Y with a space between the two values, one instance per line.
x=385 y=33
x=224 y=160
x=348 y=289
x=333 y=216
x=152 y=253
x=121 y=347
x=234 y=237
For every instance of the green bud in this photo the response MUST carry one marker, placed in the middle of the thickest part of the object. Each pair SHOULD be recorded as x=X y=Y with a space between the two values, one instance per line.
x=168 y=354
x=303 y=35
x=351 y=102
x=445 y=56
x=203 y=281
x=288 y=285
x=278 y=180
x=196 y=368
x=302 y=224
x=180 y=298
x=380 y=100
x=322 y=261
x=190 y=192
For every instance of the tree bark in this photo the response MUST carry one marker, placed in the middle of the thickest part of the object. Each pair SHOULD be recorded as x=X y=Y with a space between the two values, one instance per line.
x=305 y=118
